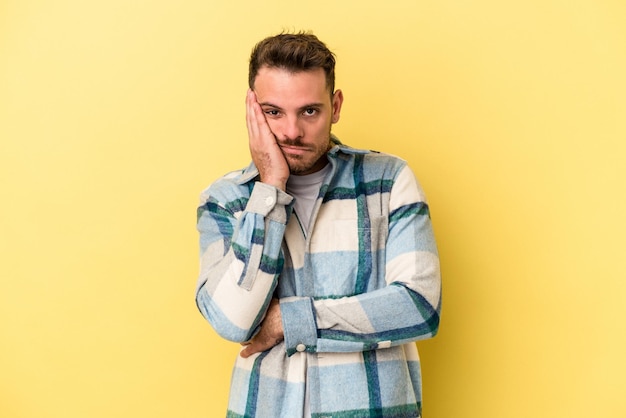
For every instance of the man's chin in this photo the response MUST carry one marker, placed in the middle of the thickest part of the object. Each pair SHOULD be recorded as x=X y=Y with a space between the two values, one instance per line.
x=299 y=170
x=296 y=165
x=304 y=169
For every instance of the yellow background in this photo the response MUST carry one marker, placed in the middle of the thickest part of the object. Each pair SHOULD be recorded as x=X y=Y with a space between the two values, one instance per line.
x=115 y=115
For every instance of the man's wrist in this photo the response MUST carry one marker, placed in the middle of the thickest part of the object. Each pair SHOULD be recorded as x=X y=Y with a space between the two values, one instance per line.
x=279 y=184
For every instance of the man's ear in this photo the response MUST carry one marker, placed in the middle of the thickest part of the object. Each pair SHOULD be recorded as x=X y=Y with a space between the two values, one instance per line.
x=337 y=102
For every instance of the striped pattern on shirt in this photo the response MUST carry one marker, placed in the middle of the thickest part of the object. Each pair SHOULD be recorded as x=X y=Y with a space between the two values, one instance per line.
x=355 y=292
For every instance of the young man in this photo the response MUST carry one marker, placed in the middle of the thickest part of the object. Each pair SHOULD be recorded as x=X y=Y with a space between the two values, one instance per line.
x=318 y=258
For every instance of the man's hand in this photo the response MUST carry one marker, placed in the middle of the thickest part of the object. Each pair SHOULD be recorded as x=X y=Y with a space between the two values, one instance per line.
x=271 y=332
x=266 y=154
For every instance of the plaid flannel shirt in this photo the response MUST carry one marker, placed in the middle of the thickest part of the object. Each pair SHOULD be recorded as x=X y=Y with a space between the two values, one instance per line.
x=355 y=292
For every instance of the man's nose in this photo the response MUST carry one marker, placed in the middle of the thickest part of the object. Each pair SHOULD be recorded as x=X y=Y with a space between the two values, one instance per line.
x=292 y=128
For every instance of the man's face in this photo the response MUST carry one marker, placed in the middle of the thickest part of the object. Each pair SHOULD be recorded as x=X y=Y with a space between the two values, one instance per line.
x=299 y=111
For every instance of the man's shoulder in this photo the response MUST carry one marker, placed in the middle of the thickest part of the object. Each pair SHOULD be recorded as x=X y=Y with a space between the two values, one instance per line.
x=370 y=153
x=231 y=186
x=239 y=177
x=372 y=159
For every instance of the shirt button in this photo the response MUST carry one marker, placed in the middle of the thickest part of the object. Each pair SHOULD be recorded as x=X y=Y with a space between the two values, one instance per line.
x=269 y=201
x=300 y=347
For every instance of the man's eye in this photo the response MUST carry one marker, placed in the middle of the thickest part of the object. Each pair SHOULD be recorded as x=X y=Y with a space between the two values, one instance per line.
x=310 y=111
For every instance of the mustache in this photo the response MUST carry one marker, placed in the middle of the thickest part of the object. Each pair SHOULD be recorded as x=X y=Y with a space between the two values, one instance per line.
x=292 y=143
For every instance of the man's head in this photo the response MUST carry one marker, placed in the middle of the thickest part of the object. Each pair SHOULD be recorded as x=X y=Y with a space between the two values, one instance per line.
x=292 y=77
x=294 y=53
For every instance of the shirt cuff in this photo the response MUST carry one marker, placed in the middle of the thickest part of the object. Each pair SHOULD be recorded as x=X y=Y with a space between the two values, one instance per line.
x=271 y=202
x=299 y=327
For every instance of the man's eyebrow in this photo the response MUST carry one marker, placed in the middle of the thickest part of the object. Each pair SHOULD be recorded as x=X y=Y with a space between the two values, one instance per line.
x=268 y=104
x=320 y=104
x=306 y=106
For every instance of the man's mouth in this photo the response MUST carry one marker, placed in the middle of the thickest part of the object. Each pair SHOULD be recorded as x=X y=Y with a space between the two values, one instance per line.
x=293 y=149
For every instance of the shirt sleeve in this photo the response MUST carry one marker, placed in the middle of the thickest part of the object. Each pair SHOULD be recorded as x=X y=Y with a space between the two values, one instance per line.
x=240 y=255
x=406 y=309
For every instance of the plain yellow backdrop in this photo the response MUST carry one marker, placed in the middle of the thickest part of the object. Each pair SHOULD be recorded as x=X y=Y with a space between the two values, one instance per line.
x=115 y=115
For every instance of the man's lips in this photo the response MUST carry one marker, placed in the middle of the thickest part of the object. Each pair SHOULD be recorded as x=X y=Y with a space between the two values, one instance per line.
x=293 y=149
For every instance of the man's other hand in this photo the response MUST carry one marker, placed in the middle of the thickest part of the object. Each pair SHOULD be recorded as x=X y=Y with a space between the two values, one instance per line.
x=270 y=334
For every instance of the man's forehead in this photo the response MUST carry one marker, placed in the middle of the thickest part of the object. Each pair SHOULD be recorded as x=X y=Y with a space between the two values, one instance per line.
x=277 y=78
x=278 y=85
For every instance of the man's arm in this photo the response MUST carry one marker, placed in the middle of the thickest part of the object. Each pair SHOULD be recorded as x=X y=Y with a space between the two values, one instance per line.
x=240 y=243
x=406 y=309
x=241 y=236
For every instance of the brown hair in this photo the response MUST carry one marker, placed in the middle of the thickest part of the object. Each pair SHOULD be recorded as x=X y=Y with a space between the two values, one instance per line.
x=293 y=52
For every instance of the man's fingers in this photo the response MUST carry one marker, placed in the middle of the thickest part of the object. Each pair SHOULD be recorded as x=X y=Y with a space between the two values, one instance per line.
x=258 y=127
x=251 y=348
x=251 y=120
x=258 y=344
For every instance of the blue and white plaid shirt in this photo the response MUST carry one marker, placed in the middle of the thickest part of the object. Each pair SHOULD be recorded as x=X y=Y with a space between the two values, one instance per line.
x=355 y=293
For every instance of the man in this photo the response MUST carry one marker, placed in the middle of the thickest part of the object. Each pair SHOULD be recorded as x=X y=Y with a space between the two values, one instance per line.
x=318 y=258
